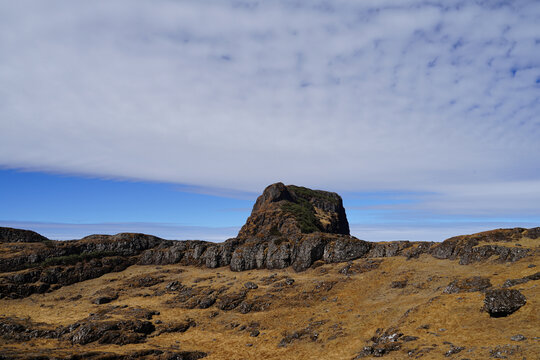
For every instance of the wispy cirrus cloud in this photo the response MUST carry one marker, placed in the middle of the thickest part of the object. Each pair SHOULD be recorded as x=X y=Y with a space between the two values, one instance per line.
x=422 y=96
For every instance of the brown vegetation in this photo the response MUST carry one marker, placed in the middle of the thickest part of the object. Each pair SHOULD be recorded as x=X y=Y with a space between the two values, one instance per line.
x=391 y=307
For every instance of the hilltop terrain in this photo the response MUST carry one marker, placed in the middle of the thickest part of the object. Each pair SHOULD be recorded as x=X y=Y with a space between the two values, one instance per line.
x=292 y=285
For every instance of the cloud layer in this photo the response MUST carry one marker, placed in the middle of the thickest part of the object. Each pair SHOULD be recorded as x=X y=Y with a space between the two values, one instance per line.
x=436 y=97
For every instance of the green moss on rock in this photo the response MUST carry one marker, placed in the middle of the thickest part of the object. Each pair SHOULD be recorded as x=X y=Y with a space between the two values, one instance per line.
x=304 y=213
x=306 y=194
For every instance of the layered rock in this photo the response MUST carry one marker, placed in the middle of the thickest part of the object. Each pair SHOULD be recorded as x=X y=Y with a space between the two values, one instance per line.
x=478 y=247
x=46 y=266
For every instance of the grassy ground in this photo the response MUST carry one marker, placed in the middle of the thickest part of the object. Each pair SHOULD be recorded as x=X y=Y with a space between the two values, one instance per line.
x=343 y=311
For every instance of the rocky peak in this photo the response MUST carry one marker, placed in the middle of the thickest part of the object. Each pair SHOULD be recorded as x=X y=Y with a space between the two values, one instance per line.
x=273 y=193
x=292 y=210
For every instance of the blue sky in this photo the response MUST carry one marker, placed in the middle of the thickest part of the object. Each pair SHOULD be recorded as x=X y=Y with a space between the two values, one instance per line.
x=69 y=207
x=170 y=116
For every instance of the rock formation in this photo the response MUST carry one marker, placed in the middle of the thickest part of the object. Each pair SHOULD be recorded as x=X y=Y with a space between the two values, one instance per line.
x=394 y=299
x=292 y=210
x=289 y=226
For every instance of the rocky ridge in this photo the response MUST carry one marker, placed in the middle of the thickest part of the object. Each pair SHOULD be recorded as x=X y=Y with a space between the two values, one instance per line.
x=134 y=296
x=289 y=226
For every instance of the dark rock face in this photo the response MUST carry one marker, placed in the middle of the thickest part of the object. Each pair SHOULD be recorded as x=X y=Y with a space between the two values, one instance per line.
x=111 y=332
x=300 y=254
x=292 y=210
x=53 y=264
x=18 y=235
x=512 y=282
x=51 y=252
x=344 y=249
x=482 y=253
x=23 y=330
x=468 y=250
x=41 y=280
x=192 y=252
x=230 y=301
x=309 y=250
x=84 y=332
x=500 y=303
x=386 y=249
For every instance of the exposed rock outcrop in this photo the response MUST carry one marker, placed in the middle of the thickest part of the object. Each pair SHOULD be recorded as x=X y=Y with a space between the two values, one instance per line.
x=110 y=332
x=292 y=210
x=51 y=252
x=289 y=226
x=47 y=266
x=469 y=248
x=118 y=332
x=523 y=280
x=44 y=279
x=384 y=342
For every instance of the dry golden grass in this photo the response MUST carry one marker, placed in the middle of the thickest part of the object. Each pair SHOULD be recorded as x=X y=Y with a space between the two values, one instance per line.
x=345 y=317
x=523 y=242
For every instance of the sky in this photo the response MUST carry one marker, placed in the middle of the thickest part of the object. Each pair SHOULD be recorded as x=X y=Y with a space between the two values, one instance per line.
x=169 y=117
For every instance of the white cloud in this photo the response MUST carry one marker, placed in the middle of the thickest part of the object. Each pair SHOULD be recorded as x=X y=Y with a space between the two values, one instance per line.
x=369 y=95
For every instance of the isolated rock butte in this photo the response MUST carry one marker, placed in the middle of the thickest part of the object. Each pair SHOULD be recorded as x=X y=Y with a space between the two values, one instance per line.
x=293 y=210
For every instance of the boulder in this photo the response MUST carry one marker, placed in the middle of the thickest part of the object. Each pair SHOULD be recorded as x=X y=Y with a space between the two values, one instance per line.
x=503 y=302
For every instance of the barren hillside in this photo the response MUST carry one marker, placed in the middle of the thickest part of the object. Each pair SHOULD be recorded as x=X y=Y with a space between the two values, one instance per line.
x=293 y=285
